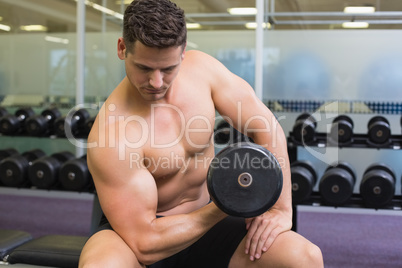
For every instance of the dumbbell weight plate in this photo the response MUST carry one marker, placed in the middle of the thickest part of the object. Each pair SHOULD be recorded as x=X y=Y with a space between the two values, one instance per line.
x=337 y=183
x=226 y=134
x=4 y=153
x=304 y=178
x=88 y=126
x=304 y=128
x=379 y=129
x=11 y=124
x=222 y=133
x=342 y=129
x=74 y=175
x=244 y=180
x=73 y=122
x=40 y=124
x=377 y=186
x=44 y=172
x=14 y=170
x=3 y=111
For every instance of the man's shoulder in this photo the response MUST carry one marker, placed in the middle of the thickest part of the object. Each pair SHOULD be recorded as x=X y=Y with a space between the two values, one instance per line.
x=198 y=55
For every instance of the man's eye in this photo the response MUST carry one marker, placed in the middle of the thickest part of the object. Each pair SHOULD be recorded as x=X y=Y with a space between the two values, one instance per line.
x=167 y=70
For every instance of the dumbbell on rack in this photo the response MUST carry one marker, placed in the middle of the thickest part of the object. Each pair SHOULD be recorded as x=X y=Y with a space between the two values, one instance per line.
x=75 y=123
x=304 y=179
x=88 y=126
x=3 y=111
x=75 y=176
x=12 y=124
x=342 y=129
x=4 y=153
x=226 y=134
x=337 y=183
x=379 y=130
x=41 y=125
x=377 y=186
x=14 y=169
x=44 y=171
x=304 y=128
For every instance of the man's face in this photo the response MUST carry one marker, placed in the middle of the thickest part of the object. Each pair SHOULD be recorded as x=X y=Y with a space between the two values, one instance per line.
x=152 y=70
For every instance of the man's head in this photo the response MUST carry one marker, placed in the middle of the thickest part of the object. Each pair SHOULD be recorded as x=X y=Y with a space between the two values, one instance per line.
x=154 y=23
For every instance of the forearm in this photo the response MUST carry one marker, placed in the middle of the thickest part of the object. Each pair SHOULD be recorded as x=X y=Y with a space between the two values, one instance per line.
x=171 y=234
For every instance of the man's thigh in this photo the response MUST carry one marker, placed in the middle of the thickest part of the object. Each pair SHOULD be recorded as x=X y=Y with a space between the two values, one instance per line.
x=288 y=250
x=106 y=249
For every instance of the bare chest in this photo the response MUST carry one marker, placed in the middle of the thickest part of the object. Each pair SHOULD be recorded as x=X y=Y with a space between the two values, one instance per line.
x=178 y=133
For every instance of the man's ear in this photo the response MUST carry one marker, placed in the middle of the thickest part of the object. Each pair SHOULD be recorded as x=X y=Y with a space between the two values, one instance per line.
x=121 y=48
x=184 y=52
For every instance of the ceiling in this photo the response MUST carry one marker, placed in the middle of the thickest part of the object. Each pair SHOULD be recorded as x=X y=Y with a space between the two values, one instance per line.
x=60 y=15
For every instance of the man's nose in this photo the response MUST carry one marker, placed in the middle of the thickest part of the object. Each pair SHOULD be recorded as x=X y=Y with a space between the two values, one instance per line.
x=156 y=79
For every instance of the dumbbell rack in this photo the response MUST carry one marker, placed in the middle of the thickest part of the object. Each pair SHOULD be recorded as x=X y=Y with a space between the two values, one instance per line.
x=357 y=141
x=322 y=140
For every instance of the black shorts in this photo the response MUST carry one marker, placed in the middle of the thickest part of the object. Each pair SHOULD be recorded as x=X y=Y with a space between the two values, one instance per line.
x=213 y=250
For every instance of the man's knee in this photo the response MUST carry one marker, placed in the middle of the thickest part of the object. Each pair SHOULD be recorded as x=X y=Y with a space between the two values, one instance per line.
x=107 y=262
x=309 y=255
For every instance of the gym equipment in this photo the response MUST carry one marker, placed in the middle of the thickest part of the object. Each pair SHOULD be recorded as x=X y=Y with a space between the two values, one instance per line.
x=11 y=124
x=75 y=176
x=4 y=153
x=14 y=169
x=342 y=129
x=377 y=186
x=88 y=126
x=304 y=128
x=75 y=123
x=10 y=239
x=337 y=183
x=3 y=112
x=379 y=130
x=304 y=179
x=226 y=134
x=41 y=125
x=44 y=172
x=49 y=250
x=244 y=180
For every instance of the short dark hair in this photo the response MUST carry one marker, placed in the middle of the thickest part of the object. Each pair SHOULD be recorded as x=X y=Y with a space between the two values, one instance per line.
x=154 y=23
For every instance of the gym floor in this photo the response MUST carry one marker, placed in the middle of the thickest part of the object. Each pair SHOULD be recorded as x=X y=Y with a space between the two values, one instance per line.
x=348 y=238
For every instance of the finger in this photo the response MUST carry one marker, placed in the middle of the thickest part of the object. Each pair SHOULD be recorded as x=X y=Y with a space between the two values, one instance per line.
x=266 y=239
x=260 y=238
x=251 y=230
x=260 y=226
x=248 y=222
x=270 y=239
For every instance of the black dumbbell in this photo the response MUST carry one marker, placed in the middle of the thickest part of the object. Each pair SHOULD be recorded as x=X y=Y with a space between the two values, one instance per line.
x=337 y=183
x=342 y=129
x=304 y=128
x=4 y=153
x=377 y=186
x=14 y=123
x=14 y=169
x=44 y=172
x=75 y=176
x=244 y=180
x=42 y=124
x=3 y=112
x=304 y=179
x=379 y=130
x=74 y=123
x=226 y=134
x=88 y=126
